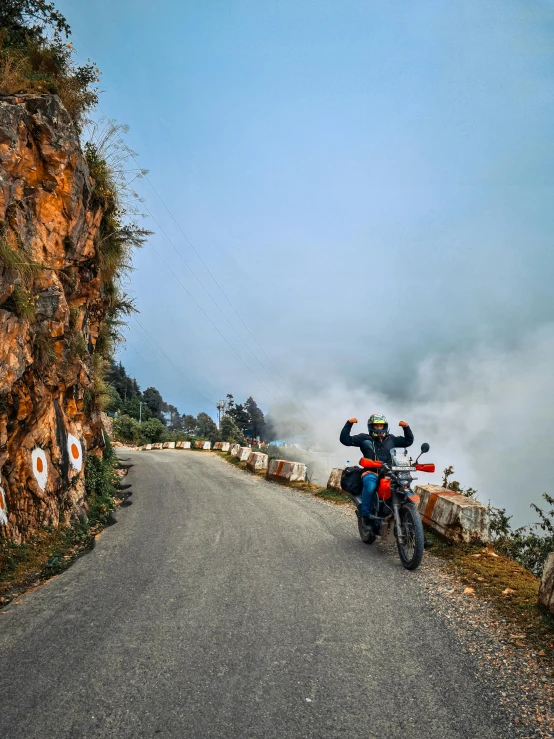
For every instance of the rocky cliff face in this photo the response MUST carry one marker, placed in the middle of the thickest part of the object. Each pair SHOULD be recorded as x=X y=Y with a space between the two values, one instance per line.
x=51 y=310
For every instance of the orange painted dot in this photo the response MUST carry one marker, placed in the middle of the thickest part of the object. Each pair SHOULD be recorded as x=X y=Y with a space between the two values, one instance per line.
x=40 y=466
x=74 y=451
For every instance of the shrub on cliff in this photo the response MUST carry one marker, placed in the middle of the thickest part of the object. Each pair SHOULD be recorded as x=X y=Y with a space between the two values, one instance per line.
x=35 y=56
x=127 y=429
x=101 y=485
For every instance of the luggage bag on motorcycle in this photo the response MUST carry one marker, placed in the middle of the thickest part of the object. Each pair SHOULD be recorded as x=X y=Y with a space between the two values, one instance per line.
x=351 y=480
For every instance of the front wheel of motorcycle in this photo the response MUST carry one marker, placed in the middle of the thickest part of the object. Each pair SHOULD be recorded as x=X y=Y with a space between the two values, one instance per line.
x=366 y=534
x=411 y=550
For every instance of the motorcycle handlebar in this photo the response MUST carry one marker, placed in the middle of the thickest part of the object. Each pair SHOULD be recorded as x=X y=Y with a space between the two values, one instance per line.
x=425 y=467
x=370 y=464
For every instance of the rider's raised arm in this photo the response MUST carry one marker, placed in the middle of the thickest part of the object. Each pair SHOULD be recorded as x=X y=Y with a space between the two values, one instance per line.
x=406 y=440
x=345 y=437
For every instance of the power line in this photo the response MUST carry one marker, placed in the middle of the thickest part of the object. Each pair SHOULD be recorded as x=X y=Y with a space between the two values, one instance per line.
x=160 y=351
x=131 y=154
x=219 y=309
x=217 y=329
x=222 y=291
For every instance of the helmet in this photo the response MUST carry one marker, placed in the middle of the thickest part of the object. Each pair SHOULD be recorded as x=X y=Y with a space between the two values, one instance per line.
x=375 y=428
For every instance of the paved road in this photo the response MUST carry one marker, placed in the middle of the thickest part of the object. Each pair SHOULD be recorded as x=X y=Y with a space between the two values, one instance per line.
x=221 y=605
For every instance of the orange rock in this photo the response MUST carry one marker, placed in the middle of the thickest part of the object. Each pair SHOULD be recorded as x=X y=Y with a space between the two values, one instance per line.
x=50 y=218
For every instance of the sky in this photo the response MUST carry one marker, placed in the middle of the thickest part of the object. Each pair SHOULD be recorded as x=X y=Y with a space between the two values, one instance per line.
x=352 y=207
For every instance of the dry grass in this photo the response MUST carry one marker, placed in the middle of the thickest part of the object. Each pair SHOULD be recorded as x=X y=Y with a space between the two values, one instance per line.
x=19 y=261
x=506 y=585
x=14 y=72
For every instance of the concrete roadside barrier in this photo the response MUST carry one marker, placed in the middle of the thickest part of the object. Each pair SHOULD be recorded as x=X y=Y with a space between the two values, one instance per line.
x=179 y=445
x=224 y=446
x=234 y=451
x=169 y=445
x=207 y=445
x=333 y=483
x=217 y=446
x=244 y=453
x=186 y=445
x=546 y=591
x=257 y=461
x=157 y=445
x=453 y=515
x=148 y=447
x=282 y=469
x=199 y=445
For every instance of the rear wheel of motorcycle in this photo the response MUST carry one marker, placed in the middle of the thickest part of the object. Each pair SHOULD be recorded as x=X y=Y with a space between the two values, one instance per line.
x=366 y=534
x=411 y=551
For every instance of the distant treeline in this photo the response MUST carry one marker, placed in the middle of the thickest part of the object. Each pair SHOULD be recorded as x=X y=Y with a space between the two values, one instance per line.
x=143 y=417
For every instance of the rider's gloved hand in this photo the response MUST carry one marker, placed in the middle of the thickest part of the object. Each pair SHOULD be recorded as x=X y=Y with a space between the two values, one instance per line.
x=354 y=420
x=403 y=424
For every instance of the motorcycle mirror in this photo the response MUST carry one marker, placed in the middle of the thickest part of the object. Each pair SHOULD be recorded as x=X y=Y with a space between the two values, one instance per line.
x=424 y=449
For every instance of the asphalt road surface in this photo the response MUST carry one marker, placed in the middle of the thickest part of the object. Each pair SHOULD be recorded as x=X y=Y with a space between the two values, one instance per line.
x=222 y=606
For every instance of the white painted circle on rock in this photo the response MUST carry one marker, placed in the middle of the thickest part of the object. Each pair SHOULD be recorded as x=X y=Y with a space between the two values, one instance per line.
x=75 y=451
x=40 y=467
x=3 y=507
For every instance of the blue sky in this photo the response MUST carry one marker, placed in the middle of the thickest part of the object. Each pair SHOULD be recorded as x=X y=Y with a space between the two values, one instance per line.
x=370 y=183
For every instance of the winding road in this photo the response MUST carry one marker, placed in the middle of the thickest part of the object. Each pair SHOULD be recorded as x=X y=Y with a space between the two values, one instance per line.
x=221 y=605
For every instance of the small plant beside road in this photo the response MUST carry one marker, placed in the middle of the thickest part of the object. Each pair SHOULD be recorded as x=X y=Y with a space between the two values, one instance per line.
x=53 y=549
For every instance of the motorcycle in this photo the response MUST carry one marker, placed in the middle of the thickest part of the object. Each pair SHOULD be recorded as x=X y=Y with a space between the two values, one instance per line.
x=397 y=505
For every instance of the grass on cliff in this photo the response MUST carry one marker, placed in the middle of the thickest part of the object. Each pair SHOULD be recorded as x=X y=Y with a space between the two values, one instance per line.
x=36 y=58
x=53 y=549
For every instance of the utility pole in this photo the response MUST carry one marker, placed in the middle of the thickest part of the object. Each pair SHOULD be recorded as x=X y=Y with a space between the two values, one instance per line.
x=221 y=408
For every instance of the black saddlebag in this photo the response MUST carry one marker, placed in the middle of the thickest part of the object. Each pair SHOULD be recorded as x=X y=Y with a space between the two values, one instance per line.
x=351 y=480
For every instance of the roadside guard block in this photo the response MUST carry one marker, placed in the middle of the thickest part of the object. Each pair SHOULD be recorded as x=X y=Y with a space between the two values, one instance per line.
x=257 y=461
x=186 y=445
x=179 y=445
x=217 y=446
x=199 y=445
x=333 y=483
x=546 y=592
x=148 y=447
x=452 y=515
x=282 y=469
x=170 y=445
x=224 y=446
x=234 y=451
x=165 y=445
x=244 y=453
x=157 y=445
x=207 y=445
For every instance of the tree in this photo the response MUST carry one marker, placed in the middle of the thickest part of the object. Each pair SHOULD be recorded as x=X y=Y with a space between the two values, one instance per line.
x=206 y=427
x=174 y=417
x=256 y=417
x=151 y=431
x=240 y=416
x=230 y=431
x=132 y=408
x=155 y=402
x=188 y=423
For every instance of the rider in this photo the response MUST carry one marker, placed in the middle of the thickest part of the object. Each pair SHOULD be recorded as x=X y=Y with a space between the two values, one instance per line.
x=375 y=445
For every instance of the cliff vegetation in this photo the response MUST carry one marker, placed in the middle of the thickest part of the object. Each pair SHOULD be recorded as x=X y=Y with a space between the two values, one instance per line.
x=66 y=237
